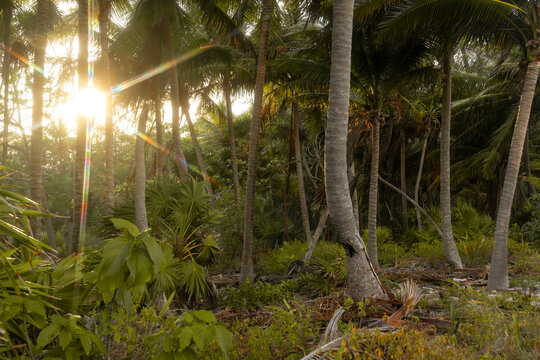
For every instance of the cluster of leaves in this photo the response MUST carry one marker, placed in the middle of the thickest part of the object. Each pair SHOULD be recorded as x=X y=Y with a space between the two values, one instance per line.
x=253 y=296
x=531 y=229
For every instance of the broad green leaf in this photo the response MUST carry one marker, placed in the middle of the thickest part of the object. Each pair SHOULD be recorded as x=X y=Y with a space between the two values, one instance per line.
x=200 y=335
x=128 y=226
x=205 y=316
x=186 y=354
x=167 y=304
x=64 y=338
x=47 y=335
x=185 y=337
x=140 y=267
x=187 y=316
x=86 y=344
x=224 y=338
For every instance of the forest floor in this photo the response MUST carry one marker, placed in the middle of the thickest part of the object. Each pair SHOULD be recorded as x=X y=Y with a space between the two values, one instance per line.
x=453 y=317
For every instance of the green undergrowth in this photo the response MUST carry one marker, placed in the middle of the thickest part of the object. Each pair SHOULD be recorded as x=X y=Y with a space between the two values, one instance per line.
x=253 y=296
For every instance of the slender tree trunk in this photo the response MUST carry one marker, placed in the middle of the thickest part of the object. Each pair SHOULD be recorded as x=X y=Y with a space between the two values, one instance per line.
x=80 y=146
x=373 y=194
x=140 y=173
x=498 y=273
x=159 y=138
x=5 y=77
x=403 y=184
x=351 y=171
x=104 y=14
x=179 y=157
x=532 y=188
x=419 y=178
x=362 y=278
x=316 y=236
x=198 y=152
x=246 y=272
x=40 y=43
x=450 y=249
x=232 y=143
x=300 y=174
x=48 y=222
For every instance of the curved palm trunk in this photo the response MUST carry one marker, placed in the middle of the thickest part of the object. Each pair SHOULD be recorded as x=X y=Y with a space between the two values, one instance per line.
x=5 y=77
x=232 y=143
x=450 y=249
x=104 y=12
x=498 y=273
x=373 y=194
x=403 y=183
x=179 y=157
x=36 y=154
x=198 y=152
x=159 y=138
x=418 y=179
x=362 y=278
x=80 y=146
x=300 y=174
x=246 y=273
x=140 y=173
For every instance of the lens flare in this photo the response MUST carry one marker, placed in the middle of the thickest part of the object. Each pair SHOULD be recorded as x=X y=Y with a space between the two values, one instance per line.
x=24 y=60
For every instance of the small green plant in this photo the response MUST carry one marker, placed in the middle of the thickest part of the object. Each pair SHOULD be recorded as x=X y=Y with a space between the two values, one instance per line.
x=276 y=262
x=252 y=296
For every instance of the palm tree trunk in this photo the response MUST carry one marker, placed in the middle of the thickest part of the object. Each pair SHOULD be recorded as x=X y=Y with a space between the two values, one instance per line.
x=300 y=174
x=362 y=278
x=232 y=143
x=450 y=249
x=104 y=13
x=159 y=138
x=419 y=178
x=80 y=146
x=246 y=272
x=498 y=273
x=40 y=43
x=373 y=194
x=351 y=171
x=5 y=77
x=179 y=157
x=140 y=173
x=198 y=152
x=403 y=183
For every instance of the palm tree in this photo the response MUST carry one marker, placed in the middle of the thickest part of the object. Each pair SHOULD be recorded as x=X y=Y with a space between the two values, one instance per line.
x=7 y=8
x=362 y=278
x=80 y=145
x=40 y=43
x=104 y=15
x=498 y=273
x=246 y=272
x=140 y=172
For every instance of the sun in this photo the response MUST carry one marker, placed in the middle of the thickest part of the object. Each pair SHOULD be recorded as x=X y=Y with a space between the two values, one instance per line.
x=89 y=102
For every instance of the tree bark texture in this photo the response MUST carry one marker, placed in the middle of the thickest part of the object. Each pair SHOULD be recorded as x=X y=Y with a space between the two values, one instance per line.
x=362 y=278
x=140 y=172
x=450 y=249
x=160 y=163
x=246 y=272
x=373 y=194
x=498 y=273
x=36 y=153
x=5 y=77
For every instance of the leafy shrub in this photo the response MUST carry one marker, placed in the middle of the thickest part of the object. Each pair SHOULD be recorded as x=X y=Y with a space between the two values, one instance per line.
x=276 y=262
x=328 y=268
x=286 y=336
x=531 y=229
x=252 y=296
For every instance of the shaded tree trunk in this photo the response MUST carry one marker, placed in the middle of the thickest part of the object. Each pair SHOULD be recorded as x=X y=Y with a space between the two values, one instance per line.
x=450 y=249
x=351 y=171
x=140 y=173
x=160 y=163
x=246 y=272
x=198 y=152
x=104 y=14
x=5 y=76
x=362 y=278
x=373 y=193
x=498 y=273
x=232 y=143
x=178 y=153
x=80 y=146
x=36 y=153
x=403 y=183
x=300 y=174
x=418 y=179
